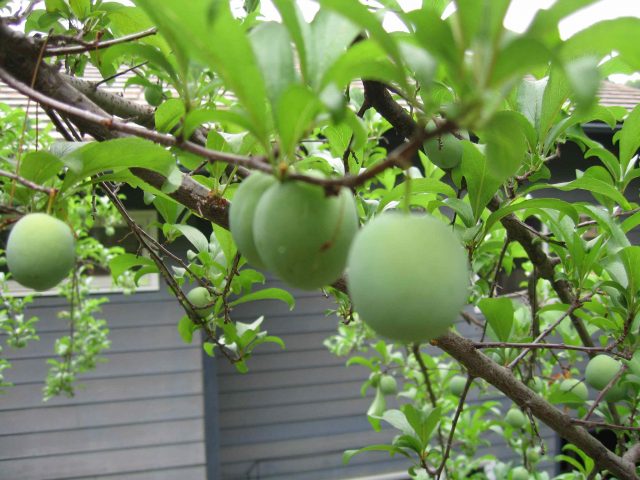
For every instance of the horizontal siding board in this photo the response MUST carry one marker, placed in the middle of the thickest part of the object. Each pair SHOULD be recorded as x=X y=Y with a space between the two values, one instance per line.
x=122 y=388
x=289 y=396
x=74 y=416
x=187 y=473
x=116 y=364
x=335 y=425
x=274 y=468
x=107 y=462
x=291 y=413
x=103 y=438
x=299 y=377
x=295 y=447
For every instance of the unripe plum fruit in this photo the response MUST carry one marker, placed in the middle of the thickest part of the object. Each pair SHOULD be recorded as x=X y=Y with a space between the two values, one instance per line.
x=456 y=385
x=40 y=251
x=575 y=386
x=388 y=385
x=444 y=151
x=515 y=418
x=200 y=297
x=519 y=473
x=303 y=235
x=407 y=276
x=153 y=95
x=600 y=370
x=242 y=214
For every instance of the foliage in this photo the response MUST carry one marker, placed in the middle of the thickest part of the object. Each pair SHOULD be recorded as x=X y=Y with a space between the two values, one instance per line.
x=505 y=102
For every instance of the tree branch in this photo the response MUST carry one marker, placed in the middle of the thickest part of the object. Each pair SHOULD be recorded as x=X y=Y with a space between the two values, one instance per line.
x=97 y=45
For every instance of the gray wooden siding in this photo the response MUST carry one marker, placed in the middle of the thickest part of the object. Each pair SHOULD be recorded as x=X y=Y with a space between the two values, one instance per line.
x=138 y=416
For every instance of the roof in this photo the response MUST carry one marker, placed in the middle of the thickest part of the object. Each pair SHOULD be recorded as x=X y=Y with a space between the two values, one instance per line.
x=611 y=94
x=614 y=94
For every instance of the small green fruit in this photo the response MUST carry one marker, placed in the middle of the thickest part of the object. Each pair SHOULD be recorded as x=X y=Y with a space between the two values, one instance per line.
x=374 y=378
x=537 y=385
x=153 y=95
x=519 y=473
x=445 y=151
x=40 y=251
x=533 y=454
x=601 y=369
x=407 y=276
x=616 y=393
x=515 y=418
x=456 y=385
x=303 y=235
x=243 y=211
x=200 y=297
x=575 y=386
x=388 y=385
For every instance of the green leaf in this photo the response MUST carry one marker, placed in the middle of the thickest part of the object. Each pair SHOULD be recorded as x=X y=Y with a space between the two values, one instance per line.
x=529 y=100
x=398 y=420
x=506 y=144
x=195 y=236
x=196 y=29
x=267 y=294
x=630 y=137
x=80 y=8
x=186 y=328
x=480 y=21
x=520 y=56
x=126 y=261
x=435 y=36
x=499 y=313
x=591 y=184
x=584 y=78
x=298 y=28
x=530 y=204
x=297 y=108
x=366 y=59
x=419 y=186
x=169 y=114
x=555 y=95
x=209 y=348
x=329 y=38
x=545 y=23
x=272 y=46
x=376 y=409
x=603 y=38
x=361 y=16
x=115 y=155
x=481 y=184
x=40 y=167
x=348 y=454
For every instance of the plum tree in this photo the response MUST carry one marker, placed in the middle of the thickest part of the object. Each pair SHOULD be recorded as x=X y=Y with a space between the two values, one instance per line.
x=303 y=235
x=308 y=106
x=242 y=214
x=201 y=298
x=600 y=370
x=40 y=251
x=414 y=291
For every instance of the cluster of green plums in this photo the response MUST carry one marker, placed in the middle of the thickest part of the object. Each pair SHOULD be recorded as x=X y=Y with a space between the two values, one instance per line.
x=407 y=274
x=40 y=251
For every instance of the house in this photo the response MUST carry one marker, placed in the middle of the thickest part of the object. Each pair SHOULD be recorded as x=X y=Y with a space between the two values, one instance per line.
x=161 y=409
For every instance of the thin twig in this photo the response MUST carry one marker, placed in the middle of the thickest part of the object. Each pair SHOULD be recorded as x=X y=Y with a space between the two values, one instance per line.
x=90 y=46
x=28 y=183
x=554 y=346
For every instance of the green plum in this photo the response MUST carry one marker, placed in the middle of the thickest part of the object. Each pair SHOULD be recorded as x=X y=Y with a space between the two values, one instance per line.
x=242 y=214
x=600 y=370
x=200 y=297
x=407 y=276
x=303 y=235
x=40 y=251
